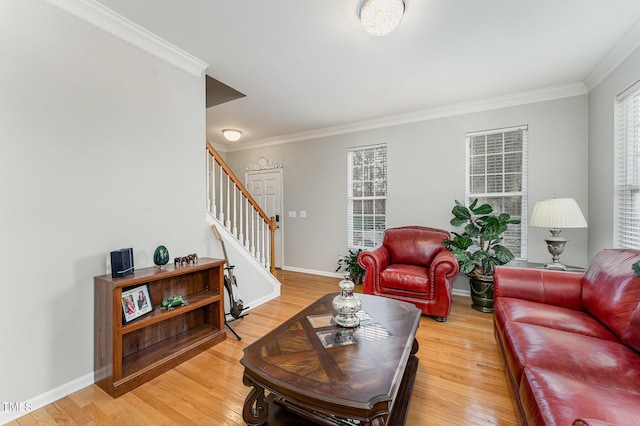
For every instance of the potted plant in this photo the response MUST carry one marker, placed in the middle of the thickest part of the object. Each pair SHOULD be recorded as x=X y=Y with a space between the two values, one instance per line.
x=478 y=248
x=349 y=263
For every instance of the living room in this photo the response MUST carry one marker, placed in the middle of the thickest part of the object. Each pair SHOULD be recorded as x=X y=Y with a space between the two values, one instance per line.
x=103 y=149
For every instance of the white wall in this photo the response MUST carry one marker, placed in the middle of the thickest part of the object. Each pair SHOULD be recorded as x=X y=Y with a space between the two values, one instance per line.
x=102 y=148
x=425 y=176
x=601 y=150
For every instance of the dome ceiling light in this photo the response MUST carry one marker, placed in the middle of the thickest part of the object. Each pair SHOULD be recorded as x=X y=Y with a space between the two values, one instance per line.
x=232 y=135
x=380 y=17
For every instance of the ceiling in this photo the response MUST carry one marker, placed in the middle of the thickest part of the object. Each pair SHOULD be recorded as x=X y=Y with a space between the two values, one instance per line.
x=308 y=65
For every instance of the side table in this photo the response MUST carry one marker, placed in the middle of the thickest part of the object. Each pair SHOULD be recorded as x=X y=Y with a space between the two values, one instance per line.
x=535 y=265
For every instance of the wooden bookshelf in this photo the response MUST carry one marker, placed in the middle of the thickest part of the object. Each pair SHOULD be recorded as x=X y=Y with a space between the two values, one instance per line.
x=127 y=355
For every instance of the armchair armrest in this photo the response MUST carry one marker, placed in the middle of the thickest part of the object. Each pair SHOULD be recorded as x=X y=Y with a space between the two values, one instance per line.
x=557 y=288
x=373 y=261
x=445 y=264
x=376 y=259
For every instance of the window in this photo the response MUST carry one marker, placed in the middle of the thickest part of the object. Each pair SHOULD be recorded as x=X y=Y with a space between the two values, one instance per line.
x=496 y=169
x=627 y=169
x=367 y=195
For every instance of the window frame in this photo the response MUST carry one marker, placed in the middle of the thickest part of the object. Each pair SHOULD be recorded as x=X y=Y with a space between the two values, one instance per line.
x=626 y=219
x=522 y=253
x=378 y=220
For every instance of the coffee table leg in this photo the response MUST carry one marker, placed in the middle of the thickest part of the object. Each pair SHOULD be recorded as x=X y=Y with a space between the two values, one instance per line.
x=379 y=421
x=255 y=410
x=415 y=347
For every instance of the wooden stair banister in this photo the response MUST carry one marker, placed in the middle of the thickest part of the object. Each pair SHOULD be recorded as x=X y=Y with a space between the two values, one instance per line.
x=212 y=190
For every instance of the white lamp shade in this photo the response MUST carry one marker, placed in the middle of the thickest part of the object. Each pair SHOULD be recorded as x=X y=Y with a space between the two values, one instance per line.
x=231 y=135
x=380 y=17
x=557 y=213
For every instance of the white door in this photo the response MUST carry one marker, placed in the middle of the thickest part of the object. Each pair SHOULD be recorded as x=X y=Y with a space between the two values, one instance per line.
x=266 y=188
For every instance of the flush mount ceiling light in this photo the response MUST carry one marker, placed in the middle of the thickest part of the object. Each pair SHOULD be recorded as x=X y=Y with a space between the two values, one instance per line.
x=231 y=135
x=380 y=17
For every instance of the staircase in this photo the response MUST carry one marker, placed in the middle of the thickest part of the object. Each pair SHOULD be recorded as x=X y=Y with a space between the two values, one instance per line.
x=230 y=202
x=247 y=231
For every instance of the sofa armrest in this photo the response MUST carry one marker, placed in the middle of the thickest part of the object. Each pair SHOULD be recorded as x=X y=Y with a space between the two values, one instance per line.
x=557 y=288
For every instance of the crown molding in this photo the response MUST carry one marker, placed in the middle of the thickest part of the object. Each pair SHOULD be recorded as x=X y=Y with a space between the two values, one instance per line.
x=515 y=99
x=621 y=51
x=106 y=19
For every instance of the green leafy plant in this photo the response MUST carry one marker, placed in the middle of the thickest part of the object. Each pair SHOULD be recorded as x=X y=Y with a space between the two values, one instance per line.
x=636 y=267
x=349 y=263
x=478 y=248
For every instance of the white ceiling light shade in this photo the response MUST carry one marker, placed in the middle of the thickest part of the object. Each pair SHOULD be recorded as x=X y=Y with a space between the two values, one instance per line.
x=380 y=17
x=232 y=135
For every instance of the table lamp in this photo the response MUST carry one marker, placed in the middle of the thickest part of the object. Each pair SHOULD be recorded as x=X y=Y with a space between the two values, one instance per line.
x=555 y=214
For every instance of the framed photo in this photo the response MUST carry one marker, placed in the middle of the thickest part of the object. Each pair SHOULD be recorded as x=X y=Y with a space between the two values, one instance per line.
x=136 y=302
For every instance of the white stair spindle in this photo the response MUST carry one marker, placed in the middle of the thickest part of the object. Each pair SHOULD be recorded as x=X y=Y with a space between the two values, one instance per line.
x=228 y=223
x=235 y=212
x=213 y=186
x=247 y=229
x=253 y=232
x=221 y=214
x=263 y=258
x=257 y=226
x=240 y=236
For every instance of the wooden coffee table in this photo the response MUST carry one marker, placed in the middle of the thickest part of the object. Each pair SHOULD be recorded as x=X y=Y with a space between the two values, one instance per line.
x=313 y=369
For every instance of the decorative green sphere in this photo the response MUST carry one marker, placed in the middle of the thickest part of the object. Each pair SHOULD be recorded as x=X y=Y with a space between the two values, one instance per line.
x=161 y=256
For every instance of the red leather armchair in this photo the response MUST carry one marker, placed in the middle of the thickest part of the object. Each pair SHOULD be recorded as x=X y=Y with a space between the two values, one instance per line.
x=413 y=266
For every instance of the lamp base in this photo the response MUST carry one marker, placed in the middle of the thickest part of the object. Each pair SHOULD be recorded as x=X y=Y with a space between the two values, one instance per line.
x=556 y=266
x=555 y=245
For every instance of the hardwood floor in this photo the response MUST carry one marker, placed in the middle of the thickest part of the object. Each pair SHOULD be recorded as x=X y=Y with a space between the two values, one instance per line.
x=460 y=380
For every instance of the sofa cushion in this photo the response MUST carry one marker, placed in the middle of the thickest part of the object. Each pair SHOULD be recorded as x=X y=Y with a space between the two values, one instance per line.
x=611 y=293
x=584 y=358
x=550 y=398
x=414 y=245
x=556 y=317
x=539 y=285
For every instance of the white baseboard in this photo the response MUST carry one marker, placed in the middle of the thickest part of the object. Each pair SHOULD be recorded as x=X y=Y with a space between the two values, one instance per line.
x=25 y=407
x=312 y=272
x=460 y=292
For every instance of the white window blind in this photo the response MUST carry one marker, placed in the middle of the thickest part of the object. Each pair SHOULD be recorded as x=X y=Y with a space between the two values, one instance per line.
x=367 y=195
x=496 y=174
x=627 y=169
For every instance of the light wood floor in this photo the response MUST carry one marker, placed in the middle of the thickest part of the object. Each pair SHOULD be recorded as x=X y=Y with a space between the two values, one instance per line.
x=459 y=381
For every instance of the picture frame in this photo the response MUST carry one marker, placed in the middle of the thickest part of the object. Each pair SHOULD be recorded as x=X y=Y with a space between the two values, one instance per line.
x=136 y=302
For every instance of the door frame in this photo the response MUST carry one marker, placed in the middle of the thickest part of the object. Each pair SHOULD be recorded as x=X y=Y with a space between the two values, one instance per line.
x=275 y=168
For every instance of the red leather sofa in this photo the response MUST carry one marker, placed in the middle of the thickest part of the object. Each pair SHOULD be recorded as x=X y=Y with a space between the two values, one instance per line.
x=570 y=341
x=413 y=266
